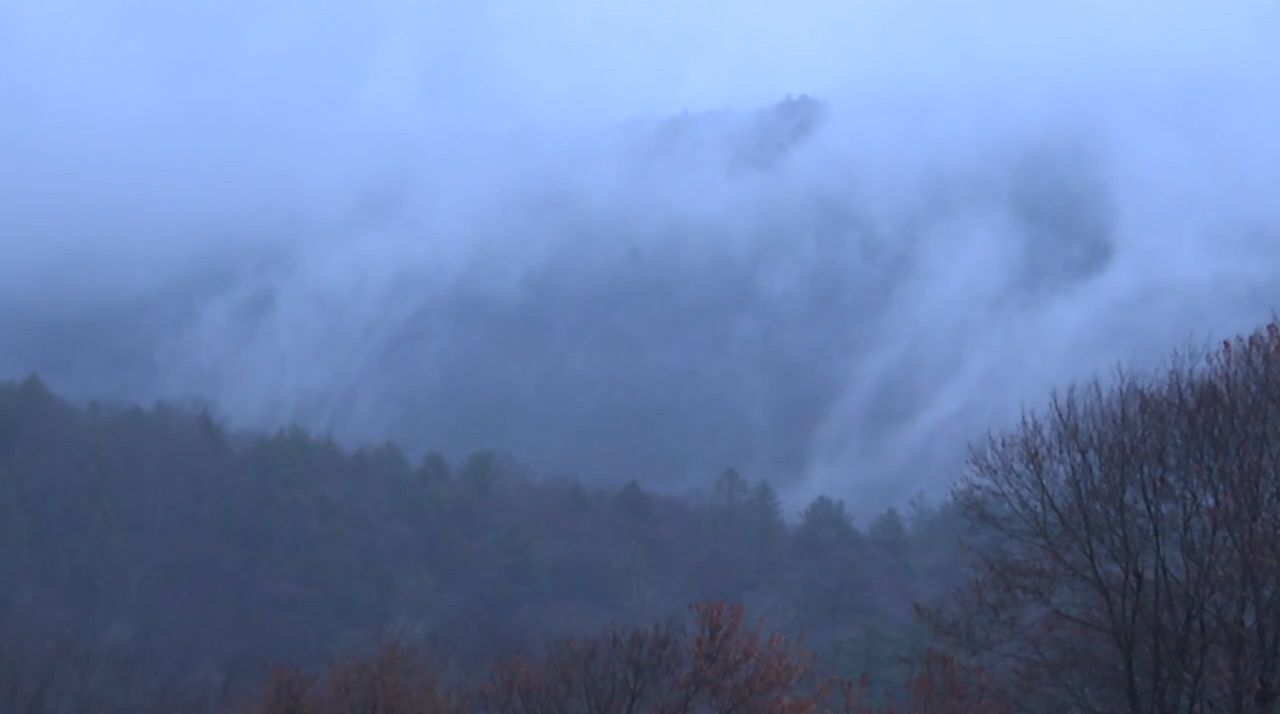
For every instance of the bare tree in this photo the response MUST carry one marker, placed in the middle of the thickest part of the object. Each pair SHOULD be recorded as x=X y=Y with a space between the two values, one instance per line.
x=1127 y=538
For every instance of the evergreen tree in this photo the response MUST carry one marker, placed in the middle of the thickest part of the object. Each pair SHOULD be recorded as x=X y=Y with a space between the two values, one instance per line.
x=728 y=495
x=825 y=523
x=889 y=531
x=765 y=513
x=435 y=470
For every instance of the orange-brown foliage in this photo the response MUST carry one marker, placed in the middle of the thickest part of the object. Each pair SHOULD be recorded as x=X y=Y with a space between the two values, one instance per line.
x=393 y=681
x=724 y=664
x=941 y=686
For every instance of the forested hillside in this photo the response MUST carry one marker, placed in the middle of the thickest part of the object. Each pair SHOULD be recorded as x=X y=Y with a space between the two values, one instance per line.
x=165 y=534
x=1120 y=555
x=663 y=357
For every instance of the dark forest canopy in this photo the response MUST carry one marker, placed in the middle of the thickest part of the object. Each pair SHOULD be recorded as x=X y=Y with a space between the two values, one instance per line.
x=161 y=531
x=1119 y=555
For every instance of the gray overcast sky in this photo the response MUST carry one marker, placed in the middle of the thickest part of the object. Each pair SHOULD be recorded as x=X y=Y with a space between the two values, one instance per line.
x=482 y=223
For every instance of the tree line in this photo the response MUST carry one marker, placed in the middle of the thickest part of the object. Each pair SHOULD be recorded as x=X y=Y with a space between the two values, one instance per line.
x=164 y=536
x=1114 y=551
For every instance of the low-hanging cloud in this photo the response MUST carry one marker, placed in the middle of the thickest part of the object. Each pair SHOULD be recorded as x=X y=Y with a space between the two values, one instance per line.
x=598 y=236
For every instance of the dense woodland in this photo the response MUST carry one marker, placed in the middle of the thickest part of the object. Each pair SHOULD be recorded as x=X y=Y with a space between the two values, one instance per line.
x=161 y=534
x=1121 y=554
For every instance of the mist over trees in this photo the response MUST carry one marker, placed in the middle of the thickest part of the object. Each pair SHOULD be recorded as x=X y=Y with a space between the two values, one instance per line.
x=558 y=357
x=161 y=530
x=1119 y=555
x=791 y=288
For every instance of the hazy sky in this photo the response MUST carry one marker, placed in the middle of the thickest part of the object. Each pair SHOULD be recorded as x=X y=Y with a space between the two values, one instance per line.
x=492 y=223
